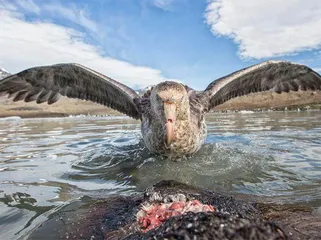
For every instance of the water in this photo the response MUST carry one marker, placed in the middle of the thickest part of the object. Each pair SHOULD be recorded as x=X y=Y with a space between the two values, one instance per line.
x=46 y=163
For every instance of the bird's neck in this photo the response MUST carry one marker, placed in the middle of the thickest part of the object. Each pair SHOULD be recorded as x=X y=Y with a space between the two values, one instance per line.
x=183 y=121
x=184 y=113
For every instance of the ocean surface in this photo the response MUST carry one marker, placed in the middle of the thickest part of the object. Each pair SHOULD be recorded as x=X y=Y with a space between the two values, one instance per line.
x=47 y=163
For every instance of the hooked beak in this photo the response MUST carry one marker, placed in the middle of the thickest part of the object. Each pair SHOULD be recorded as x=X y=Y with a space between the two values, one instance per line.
x=170 y=116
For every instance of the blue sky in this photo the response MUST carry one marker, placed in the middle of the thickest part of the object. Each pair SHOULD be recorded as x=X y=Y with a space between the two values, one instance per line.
x=142 y=42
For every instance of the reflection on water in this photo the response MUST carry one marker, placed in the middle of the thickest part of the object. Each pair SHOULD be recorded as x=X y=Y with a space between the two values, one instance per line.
x=45 y=163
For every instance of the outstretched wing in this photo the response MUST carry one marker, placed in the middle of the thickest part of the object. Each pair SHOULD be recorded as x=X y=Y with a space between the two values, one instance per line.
x=48 y=83
x=278 y=76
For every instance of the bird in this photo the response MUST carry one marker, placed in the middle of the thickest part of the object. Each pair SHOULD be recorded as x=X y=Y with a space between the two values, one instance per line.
x=172 y=114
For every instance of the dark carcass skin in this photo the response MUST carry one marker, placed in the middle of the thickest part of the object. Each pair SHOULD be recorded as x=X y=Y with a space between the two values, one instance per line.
x=115 y=218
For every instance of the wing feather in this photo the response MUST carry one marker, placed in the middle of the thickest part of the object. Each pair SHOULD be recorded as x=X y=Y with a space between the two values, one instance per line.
x=278 y=76
x=49 y=83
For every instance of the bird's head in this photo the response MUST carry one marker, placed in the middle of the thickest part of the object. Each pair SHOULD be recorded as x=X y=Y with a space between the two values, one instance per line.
x=170 y=104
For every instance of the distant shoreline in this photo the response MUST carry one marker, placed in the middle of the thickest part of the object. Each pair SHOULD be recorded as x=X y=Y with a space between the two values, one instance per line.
x=259 y=102
x=26 y=115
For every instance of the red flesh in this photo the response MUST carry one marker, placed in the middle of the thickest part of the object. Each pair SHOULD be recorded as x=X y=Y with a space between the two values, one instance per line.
x=153 y=216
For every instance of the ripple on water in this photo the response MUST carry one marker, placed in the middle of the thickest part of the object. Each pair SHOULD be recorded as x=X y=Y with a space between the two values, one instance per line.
x=48 y=162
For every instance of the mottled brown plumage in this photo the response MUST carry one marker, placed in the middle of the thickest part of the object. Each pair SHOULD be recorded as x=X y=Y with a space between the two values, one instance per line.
x=172 y=114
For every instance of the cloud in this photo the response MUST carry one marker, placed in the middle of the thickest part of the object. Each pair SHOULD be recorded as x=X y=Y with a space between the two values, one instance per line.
x=163 y=4
x=27 y=44
x=29 y=6
x=71 y=13
x=54 y=10
x=267 y=28
x=7 y=5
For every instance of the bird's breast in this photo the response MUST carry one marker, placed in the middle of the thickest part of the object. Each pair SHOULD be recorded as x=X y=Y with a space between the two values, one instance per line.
x=187 y=138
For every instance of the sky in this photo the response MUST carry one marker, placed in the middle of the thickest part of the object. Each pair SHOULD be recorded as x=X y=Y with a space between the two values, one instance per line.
x=144 y=42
